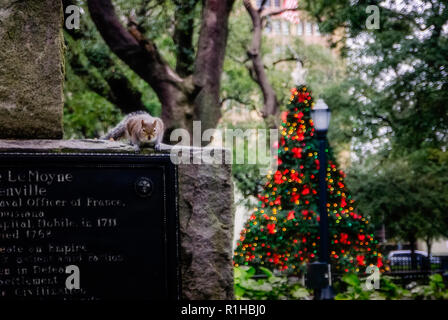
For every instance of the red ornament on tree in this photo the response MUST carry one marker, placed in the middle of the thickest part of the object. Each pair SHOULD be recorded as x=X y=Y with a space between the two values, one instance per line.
x=271 y=228
x=291 y=215
x=343 y=202
x=297 y=152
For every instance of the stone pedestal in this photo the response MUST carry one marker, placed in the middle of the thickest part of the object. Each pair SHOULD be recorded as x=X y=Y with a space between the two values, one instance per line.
x=31 y=106
x=206 y=213
x=206 y=223
x=31 y=69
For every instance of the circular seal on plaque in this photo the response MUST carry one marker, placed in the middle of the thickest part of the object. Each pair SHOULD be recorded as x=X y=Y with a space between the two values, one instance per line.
x=144 y=187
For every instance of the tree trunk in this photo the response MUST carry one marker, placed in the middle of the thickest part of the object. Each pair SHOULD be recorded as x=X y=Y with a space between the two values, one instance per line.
x=142 y=57
x=412 y=243
x=193 y=97
x=209 y=61
x=429 y=249
x=254 y=54
x=429 y=245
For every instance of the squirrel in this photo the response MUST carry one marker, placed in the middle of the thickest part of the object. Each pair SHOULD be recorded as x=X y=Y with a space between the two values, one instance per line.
x=140 y=128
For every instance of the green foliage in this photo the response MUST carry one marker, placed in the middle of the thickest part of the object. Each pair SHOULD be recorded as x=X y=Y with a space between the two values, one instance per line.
x=91 y=68
x=86 y=113
x=93 y=65
x=246 y=176
x=394 y=105
x=397 y=72
x=269 y=288
x=407 y=194
x=237 y=85
x=325 y=71
x=435 y=290
x=352 y=288
x=355 y=290
x=324 y=67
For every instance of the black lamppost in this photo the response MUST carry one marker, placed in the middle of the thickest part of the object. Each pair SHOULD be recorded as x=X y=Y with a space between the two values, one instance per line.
x=321 y=115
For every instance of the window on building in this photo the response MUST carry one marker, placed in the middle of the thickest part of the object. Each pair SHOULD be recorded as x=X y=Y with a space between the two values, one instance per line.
x=285 y=28
x=316 y=30
x=276 y=27
x=277 y=3
x=259 y=3
x=309 y=28
x=300 y=29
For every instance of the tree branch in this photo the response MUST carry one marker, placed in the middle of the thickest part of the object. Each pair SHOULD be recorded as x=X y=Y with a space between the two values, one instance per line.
x=142 y=56
x=234 y=98
x=286 y=60
x=137 y=52
x=238 y=60
x=117 y=89
x=194 y=97
x=259 y=73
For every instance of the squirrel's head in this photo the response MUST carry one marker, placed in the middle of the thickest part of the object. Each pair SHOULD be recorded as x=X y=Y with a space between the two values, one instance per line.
x=148 y=131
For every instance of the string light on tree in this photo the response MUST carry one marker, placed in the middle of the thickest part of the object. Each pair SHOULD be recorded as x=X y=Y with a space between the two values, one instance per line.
x=283 y=231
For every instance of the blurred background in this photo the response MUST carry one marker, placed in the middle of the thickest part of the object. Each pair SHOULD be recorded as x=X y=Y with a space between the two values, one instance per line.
x=384 y=77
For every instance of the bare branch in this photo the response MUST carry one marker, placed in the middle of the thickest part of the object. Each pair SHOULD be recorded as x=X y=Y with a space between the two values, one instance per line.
x=238 y=60
x=142 y=56
x=234 y=98
x=286 y=60
x=152 y=53
x=195 y=96
x=136 y=51
x=257 y=70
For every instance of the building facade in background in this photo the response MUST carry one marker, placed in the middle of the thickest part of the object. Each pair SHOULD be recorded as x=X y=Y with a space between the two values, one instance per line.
x=293 y=23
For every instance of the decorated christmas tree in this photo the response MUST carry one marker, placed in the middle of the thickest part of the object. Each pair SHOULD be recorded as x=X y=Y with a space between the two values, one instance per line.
x=283 y=231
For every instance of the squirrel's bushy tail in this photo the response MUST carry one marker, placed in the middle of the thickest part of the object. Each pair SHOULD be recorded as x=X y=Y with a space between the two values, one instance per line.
x=116 y=133
x=120 y=129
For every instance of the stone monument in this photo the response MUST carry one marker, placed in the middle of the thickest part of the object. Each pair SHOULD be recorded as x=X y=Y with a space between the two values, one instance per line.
x=31 y=72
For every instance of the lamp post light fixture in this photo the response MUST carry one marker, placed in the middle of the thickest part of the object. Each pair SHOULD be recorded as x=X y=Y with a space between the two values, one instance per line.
x=321 y=115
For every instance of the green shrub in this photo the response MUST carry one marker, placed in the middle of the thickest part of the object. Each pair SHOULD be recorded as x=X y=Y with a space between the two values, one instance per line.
x=354 y=289
x=350 y=287
x=435 y=290
x=269 y=288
